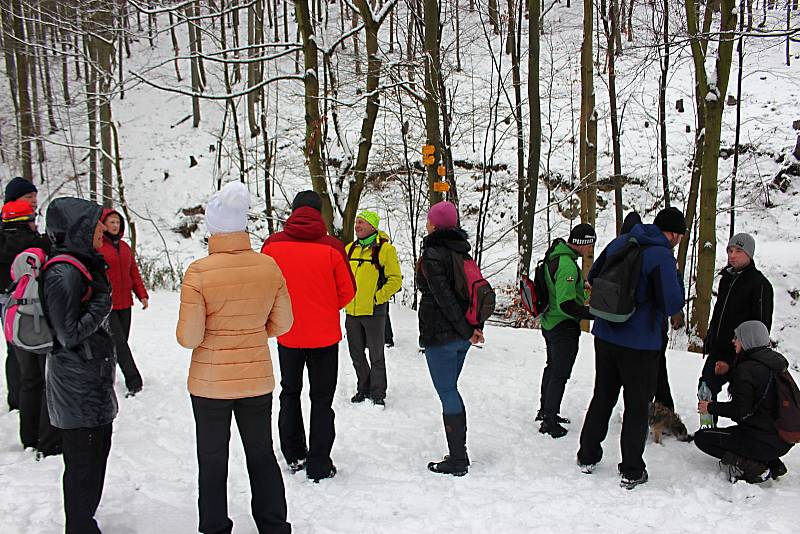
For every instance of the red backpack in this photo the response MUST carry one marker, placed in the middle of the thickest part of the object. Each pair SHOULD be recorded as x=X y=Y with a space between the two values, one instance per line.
x=471 y=286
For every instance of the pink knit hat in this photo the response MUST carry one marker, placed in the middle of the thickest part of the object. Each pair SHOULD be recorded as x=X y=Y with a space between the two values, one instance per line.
x=443 y=215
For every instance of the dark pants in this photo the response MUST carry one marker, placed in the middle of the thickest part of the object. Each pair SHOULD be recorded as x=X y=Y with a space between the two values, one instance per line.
x=717 y=441
x=213 y=431
x=444 y=364
x=367 y=333
x=635 y=372
x=712 y=380
x=562 y=349
x=35 y=429
x=120 y=322
x=85 y=457
x=12 y=378
x=388 y=334
x=323 y=368
x=663 y=393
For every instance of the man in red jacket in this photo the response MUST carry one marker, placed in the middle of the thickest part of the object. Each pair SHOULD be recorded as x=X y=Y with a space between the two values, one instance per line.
x=320 y=284
x=123 y=274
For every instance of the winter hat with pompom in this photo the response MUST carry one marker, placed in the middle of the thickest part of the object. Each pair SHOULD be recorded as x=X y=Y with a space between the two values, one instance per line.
x=227 y=209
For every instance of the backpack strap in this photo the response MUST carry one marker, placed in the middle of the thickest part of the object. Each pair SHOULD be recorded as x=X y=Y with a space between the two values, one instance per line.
x=374 y=260
x=78 y=264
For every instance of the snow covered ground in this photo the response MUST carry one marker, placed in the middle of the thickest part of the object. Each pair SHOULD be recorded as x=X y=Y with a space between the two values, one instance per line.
x=520 y=480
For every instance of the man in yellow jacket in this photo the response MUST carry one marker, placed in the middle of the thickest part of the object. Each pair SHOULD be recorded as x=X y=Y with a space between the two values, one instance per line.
x=373 y=260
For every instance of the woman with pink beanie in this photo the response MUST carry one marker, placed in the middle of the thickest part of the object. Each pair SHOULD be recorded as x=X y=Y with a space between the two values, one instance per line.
x=443 y=328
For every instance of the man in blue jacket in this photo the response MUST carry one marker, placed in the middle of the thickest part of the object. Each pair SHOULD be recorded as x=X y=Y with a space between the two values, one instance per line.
x=626 y=354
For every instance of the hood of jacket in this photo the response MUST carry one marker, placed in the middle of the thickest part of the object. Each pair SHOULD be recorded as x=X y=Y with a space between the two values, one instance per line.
x=765 y=355
x=453 y=238
x=650 y=235
x=70 y=227
x=561 y=248
x=306 y=224
x=631 y=220
x=106 y=213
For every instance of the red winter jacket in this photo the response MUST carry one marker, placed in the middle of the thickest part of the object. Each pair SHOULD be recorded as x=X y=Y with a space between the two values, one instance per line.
x=317 y=275
x=123 y=273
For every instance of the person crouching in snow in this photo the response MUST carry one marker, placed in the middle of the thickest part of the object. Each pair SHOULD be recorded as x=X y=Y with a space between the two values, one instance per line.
x=123 y=273
x=80 y=369
x=752 y=448
x=376 y=268
x=231 y=302
x=443 y=328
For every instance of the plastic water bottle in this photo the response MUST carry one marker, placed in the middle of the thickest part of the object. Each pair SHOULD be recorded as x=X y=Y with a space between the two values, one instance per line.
x=704 y=394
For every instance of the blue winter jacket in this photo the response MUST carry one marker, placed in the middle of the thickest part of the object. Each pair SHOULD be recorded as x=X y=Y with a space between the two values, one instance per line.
x=658 y=294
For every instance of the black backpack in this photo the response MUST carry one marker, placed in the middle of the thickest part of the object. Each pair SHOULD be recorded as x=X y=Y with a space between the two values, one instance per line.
x=787 y=421
x=374 y=260
x=614 y=287
x=534 y=295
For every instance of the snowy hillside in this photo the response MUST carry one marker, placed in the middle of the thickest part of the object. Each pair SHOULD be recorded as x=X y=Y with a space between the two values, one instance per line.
x=520 y=481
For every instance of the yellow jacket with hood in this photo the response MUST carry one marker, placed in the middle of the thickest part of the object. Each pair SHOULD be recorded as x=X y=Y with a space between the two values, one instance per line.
x=370 y=298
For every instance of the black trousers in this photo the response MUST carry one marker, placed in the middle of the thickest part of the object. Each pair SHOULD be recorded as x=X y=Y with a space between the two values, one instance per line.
x=12 y=378
x=717 y=441
x=120 y=322
x=35 y=429
x=323 y=368
x=366 y=333
x=388 y=334
x=635 y=372
x=85 y=457
x=663 y=393
x=562 y=349
x=714 y=381
x=213 y=430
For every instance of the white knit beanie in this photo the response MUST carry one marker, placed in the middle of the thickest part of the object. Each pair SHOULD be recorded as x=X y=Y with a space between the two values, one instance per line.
x=226 y=211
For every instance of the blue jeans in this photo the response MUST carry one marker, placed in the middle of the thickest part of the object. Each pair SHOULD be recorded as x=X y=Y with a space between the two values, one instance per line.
x=444 y=364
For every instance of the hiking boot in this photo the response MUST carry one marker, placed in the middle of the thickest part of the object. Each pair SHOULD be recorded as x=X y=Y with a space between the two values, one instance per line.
x=133 y=392
x=449 y=466
x=551 y=426
x=358 y=397
x=587 y=469
x=379 y=402
x=329 y=474
x=631 y=481
x=776 y=468
x=740 y=468
x=560 y=420
x=297 y=465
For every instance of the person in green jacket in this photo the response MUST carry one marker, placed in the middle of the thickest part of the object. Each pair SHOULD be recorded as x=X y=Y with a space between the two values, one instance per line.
x=560 y=322
x=373 y=260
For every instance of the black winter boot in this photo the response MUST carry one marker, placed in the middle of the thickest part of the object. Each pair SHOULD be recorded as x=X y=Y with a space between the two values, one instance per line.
x=455 y=463
x=740 y=468
x=550 y=426
x=776 y=468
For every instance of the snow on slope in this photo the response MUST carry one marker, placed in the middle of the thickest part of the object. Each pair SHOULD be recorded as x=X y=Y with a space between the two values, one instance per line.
x=520 y=480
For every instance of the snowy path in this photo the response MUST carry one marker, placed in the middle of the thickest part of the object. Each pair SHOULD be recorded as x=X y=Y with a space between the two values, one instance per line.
x=520 y=481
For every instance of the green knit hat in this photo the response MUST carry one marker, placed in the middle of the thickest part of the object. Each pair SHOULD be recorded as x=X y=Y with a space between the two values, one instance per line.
x=371 y=217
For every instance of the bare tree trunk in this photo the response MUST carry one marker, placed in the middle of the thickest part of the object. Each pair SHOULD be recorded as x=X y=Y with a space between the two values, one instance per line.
x=494 y=16
x=531 y=185
x=431 y=103
x=255 y=38
x=588 y=126
x=22 y=76
x=123 y=201
x=610 y=26
x=90 y=63
x=313 y=148
x=197 y=84
x=198 y=37
x=105 y=52
x=735 y=169
x=44 y=67
x=356 y=53
x=662 y=105
x=175 y=47
x=33 y=66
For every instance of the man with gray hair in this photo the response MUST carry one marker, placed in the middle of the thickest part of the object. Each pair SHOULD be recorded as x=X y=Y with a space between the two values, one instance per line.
x=744 y=294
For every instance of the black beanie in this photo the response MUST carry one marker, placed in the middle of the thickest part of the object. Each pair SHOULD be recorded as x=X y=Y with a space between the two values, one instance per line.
x=631 y=220
x=583 y=234
x=307 y=198
x=671 y=220
x=19 y=187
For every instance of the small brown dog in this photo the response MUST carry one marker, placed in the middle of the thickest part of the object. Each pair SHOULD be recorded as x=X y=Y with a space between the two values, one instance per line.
x=662 y=421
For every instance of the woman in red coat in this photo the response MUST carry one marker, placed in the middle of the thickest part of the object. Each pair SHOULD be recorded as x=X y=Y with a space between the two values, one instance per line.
x=123 y=274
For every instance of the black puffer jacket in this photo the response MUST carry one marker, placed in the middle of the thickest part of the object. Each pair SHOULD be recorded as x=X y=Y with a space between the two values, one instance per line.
x=80 y=370
x=750 y=407
x=743 y=296
x=441 y=312
x=14 y=238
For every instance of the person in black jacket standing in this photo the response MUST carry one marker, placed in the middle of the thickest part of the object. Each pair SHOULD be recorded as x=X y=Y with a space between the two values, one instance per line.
x=443 y=328
x=12 y=236
x=80 y=369
x=752 y=448
x=744 y=294
x=35 y=431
